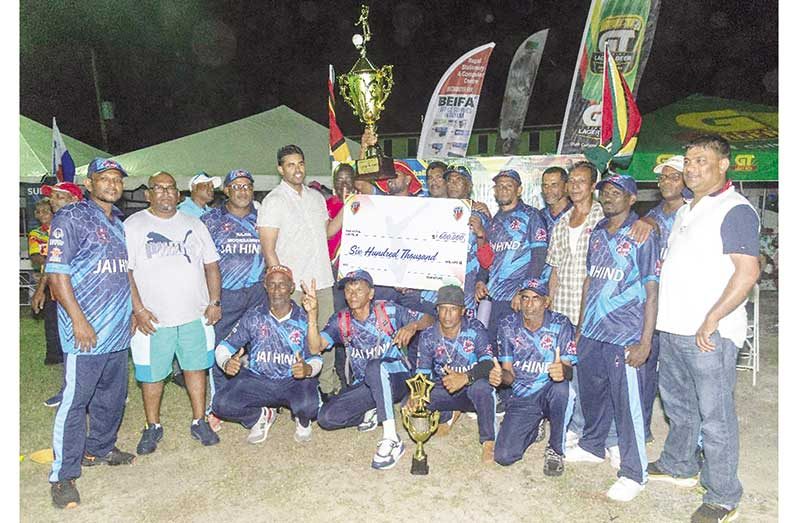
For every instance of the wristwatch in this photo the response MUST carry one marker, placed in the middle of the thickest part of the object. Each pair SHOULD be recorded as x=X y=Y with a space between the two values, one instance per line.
x=216 y=303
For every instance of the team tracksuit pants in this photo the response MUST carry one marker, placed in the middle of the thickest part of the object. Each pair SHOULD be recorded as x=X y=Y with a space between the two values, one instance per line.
x=479 y=397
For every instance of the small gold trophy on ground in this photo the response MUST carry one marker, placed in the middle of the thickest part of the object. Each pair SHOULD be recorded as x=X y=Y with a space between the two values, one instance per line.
x=419 y=422
x=365 y=88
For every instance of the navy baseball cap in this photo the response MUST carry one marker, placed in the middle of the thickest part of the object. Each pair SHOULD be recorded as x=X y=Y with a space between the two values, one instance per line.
x=510 y=173
x=99 y=165
x=623 y=182
x=237 y=173
x=358 y=274
x=541 y=287
x=462 y=170
x=451 y=295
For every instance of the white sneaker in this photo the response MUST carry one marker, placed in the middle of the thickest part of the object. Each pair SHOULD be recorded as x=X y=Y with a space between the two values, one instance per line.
x=369 y=422
x=614 y=453
x=388 y=453
x=302 y=434
x=259 y=431
x=571 y=439
x=625 y=489
x=578 y=454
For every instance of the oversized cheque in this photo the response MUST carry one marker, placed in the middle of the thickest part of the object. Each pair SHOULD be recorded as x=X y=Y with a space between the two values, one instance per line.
x=416 y=243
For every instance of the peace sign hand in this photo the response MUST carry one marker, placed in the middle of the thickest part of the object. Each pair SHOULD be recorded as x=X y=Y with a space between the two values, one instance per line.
x=309 y=301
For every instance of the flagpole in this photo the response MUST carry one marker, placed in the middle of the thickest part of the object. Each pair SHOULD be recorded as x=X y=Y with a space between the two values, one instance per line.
x=103 y=130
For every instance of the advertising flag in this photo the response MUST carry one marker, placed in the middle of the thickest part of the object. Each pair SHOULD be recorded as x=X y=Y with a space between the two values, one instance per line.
x=453 y=106
x=62 y=165
x=339 y=150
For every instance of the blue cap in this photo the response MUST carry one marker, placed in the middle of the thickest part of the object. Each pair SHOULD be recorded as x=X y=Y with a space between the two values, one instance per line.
x=358 y=274
x=540 y=287
x=623 y=182
x=510 y=173
x=99 y=165
x=237 y=173
x=462 y=170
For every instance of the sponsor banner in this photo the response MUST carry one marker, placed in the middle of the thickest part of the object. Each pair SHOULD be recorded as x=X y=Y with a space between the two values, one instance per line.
x=453 y=106
x=626 y=28
x=416 y=243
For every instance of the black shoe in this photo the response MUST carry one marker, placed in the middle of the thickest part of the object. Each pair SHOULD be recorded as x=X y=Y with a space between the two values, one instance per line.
x=115 y=457
x=552 y=463
x=179 y=380
x=65 y=494
x=710 y=513
x=202 y=432
x=655 y=473
x=150 y=437
x=541 y=431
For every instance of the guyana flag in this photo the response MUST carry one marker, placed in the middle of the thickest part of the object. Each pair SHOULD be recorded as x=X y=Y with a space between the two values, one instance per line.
x=620 y=120
x=339 y=151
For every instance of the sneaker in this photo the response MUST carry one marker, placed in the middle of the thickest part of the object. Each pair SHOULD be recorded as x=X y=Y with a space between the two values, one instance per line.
x=553 y=463
x=302 y=434
x=571 y=439
x=541 y=431
x=53 y=401
x=369 y=422
x=214 y=422
x=614 y=454
x=259 y=431
x=578 y=454
x=487 y=451
x=709 y=512
x=625 y=489
x=150 y=437
x=65 y=494
x=657 y=474
x=388 y=453
x=114 y=457
x=202 y=432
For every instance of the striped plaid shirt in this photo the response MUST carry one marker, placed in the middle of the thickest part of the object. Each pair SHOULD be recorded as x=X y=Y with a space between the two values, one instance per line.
x=571 y=266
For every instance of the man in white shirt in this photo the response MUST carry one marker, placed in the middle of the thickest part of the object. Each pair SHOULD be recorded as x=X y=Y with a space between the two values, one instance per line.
x=293 y=225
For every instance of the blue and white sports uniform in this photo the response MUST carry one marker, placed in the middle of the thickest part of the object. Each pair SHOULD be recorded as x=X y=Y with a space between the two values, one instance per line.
x=89 y=247
x=268 y=381
x=379 y=369
x=473 y=267
x=534 y=395
x=609 y=389
x=238 y=245
x=461 y=354
x=551 y=220
x=665 y=223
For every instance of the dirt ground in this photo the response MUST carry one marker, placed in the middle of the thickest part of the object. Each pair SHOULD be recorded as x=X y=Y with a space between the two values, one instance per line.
x=329 y=478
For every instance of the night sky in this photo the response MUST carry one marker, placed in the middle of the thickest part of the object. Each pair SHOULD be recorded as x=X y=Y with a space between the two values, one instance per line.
x=172 y=68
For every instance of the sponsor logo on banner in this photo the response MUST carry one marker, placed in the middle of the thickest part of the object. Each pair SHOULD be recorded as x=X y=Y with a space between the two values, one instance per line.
x=745 y=162
x=458 y=213
x=355 y=206
x=621 y=34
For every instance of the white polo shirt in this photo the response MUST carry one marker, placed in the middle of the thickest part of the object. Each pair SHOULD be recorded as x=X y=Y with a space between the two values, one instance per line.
x=302 y=239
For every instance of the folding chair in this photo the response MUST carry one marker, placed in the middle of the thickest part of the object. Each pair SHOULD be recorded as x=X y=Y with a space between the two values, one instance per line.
x=748 y=358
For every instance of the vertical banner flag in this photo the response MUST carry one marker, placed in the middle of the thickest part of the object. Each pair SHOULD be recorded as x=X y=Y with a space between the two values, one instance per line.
x=627 y=28
x=453 y=106
x=63 y=166
x=339 y=150
x=620 y=120
x=520 y=81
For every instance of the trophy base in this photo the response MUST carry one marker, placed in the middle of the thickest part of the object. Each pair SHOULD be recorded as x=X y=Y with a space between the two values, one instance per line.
x=419 y=467
x=375 y=168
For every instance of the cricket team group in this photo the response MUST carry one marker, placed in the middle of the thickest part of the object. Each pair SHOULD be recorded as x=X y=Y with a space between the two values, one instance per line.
x=593 y=311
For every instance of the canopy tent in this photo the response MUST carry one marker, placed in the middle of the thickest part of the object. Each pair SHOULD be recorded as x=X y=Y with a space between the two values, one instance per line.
x=250 y=143
x=36 y=150
x=751 y=129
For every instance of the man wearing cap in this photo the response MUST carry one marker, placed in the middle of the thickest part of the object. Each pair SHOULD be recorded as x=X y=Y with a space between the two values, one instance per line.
x=537 y=353
x=87 y=258
x=176 y=286
x=553 y=185
x=372 y=333
x=456 y=353
x=518 y=237
x=619 y=309
x=710 y=266
x=282 y=371
x=294 y=226
x=406 y=182
x=436 y=181
x=202 y=187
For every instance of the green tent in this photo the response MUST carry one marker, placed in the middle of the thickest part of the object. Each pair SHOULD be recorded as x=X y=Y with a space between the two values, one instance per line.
x=36 y=150
x=751 y=129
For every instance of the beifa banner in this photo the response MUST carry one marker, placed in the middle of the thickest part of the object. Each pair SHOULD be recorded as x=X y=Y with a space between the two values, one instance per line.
x=626 y=28
x=453 y=106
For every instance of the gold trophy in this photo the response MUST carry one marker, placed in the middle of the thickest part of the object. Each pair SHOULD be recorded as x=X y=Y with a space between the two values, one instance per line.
x=365 y=88
x=419 y=422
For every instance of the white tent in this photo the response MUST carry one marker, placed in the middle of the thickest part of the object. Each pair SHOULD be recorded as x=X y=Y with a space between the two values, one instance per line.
x=250 y=143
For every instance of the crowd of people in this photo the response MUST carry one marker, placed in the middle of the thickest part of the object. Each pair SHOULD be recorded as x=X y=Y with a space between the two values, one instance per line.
x=594 y=310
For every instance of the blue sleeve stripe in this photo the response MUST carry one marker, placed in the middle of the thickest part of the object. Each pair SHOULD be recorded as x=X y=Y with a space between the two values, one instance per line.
x=535 y=245
x=650 y=277
x=326 y=337
x=227 y=346
x=423 y=371
x=505 y=359
x=58 y=268
x=485 y=357
x=314 y=357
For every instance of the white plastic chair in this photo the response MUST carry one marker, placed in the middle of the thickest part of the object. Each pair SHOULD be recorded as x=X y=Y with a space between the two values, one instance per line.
x=748 y=358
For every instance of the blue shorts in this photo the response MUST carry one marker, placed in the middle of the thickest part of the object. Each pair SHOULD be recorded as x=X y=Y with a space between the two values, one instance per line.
x=193 y=343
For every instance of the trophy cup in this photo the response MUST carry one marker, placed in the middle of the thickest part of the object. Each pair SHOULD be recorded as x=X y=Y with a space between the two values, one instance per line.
x=365 y=88
x=419 y=422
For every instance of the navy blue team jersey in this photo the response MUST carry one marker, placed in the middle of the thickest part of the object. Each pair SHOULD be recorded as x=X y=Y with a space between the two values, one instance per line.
x=665 y=222
x=519 y=242
x=461 y=354
x=91 y=249
x=618 y=268
x=368 y=340
x=472 y=264
x=550 y=220
x=531 y=353
x=273 y=344
x=237 y=241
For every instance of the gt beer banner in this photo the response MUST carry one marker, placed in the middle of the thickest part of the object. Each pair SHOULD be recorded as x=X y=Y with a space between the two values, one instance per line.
x=416 y=243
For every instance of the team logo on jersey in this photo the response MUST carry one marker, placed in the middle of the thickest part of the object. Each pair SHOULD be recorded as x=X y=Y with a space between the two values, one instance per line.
x=546 y=341
x=515 y=224
x=540 y=235
x=596 y=245
x=55 y=255
x=58 y=233
x=263 y=330
x=623 y=248
x=102 y=234
x=468 y=346
x=295 y=337
x=458 y=213
x=227 y=226
x=355 y=206
x=519 y=341
x=571 y=347
x=440 y=350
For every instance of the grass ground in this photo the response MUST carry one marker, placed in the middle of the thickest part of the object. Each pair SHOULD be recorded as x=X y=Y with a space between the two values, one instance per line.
x=329 y=479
